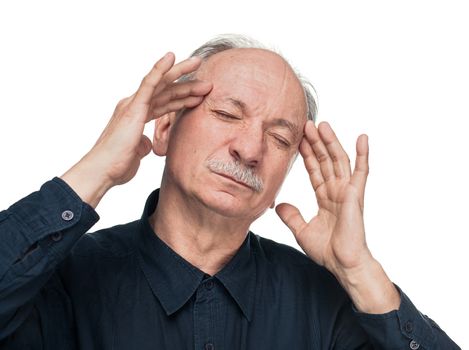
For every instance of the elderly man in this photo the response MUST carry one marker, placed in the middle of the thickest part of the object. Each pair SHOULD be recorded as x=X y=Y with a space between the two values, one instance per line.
x=189 y=274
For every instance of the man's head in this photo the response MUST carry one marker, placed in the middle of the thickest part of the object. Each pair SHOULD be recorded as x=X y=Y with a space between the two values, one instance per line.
x=228 y=42
x=232 y=152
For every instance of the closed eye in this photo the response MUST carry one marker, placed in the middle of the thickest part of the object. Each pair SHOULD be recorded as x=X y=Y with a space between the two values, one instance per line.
x=280 y=140
x=226 y=115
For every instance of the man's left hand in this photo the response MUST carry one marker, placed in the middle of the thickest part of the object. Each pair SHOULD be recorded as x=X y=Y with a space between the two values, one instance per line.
x=335 y=237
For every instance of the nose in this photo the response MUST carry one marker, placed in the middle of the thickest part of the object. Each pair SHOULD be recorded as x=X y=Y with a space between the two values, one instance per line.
x=247 y=146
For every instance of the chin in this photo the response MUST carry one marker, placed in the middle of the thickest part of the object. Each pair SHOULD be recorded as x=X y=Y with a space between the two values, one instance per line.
x=227 y=204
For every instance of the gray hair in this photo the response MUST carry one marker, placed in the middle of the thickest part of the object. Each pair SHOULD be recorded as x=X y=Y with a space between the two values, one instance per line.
x=234 y=41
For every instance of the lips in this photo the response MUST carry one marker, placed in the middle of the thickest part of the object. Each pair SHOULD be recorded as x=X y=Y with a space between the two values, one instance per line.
x=233 y=179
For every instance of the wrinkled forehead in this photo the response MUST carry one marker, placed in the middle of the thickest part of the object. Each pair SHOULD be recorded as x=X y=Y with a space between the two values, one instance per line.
x=260 y=79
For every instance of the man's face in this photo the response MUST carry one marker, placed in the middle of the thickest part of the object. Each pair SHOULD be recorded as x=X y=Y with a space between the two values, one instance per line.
x=232 y=152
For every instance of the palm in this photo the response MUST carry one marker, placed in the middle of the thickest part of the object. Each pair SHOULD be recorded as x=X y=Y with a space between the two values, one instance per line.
x=122 y=144
x=335 y=237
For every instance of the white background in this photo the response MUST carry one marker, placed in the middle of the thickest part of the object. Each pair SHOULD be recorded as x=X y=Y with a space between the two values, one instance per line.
x=397 y=71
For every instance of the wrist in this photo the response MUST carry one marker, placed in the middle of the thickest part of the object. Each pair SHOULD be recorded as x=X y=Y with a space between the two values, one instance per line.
x=86 y=179
x=370 y=288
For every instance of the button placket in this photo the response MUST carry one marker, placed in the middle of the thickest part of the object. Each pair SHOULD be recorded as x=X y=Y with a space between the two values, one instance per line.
x=205 y=316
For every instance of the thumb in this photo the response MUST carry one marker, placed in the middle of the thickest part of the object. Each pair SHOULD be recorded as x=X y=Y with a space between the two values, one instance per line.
x=291 y=216
x=144 y=147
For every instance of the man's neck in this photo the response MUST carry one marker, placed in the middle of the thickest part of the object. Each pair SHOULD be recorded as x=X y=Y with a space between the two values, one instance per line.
x=202 y=237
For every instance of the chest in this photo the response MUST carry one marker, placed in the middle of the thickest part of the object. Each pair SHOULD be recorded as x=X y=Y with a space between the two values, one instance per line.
x=133 y=318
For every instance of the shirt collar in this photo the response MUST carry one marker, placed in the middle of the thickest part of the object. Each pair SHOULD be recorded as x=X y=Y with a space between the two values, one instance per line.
x=174 y=280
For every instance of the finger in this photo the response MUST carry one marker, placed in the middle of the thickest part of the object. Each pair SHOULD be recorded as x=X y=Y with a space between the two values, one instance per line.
x=152 y=79
x=181 y=90
x=360 y=173
x=174 y=106
x=184 y=67
x=311 y=164
x=291 y=216
x=339 y=157
x=320 y=151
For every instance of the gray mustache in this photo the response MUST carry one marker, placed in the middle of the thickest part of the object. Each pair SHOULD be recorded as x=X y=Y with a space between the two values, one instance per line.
x=237 y=171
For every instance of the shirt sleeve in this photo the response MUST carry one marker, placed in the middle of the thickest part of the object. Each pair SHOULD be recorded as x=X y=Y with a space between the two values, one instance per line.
x=405 y=328
x=36 y=234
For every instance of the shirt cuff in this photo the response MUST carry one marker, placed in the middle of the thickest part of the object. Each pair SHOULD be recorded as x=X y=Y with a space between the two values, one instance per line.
x=55 y=207
x=39 y=230
x=405 y=328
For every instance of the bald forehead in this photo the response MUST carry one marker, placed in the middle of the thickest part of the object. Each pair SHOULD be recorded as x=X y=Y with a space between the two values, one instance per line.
x=250 y=68
x=248 y=57
x=249 y=54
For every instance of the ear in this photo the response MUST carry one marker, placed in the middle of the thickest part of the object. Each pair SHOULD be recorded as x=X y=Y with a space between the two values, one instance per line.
x=162 y=133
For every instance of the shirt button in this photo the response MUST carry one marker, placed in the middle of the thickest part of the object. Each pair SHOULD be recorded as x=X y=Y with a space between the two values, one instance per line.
x=409 y=327
x=209 y=285
x=209 y=346
x=67 y=215
x=414 y=345
x=57 y=236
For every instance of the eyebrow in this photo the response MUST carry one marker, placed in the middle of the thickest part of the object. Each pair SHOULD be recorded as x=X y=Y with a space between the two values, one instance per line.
x=237 y=103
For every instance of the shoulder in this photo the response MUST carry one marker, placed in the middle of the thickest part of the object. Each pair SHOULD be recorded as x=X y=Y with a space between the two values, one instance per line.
x=279 y=254
x=290 y=264
x=116 y=241
x=98 y=259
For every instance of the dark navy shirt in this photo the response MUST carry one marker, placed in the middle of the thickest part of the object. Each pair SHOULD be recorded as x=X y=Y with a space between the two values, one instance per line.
x=123 y=288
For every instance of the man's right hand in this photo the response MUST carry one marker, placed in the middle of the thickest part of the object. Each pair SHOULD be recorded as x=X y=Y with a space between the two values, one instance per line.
x=116 y=155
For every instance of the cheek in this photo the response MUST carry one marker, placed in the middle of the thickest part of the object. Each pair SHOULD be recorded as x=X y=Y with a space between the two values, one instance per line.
x=194 y=137
x=276 y=168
